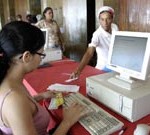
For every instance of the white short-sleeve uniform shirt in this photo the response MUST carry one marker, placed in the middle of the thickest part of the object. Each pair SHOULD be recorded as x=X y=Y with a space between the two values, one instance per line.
x=101 y=41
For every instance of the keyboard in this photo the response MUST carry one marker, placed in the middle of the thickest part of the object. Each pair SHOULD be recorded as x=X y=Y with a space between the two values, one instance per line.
x=98 y=122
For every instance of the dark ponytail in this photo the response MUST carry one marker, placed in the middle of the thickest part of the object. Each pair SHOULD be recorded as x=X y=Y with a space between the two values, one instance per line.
x=4 y=64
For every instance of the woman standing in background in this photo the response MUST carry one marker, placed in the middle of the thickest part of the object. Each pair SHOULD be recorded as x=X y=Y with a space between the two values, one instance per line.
x=55 y=37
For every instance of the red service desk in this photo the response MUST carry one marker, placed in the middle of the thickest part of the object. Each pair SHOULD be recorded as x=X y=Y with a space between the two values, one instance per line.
x=38 y=81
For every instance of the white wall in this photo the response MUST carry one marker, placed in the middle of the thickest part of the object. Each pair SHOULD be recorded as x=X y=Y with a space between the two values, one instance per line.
x=99 y=3
x=74 y=16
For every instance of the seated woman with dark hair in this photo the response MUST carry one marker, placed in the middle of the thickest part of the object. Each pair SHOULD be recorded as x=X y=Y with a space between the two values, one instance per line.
x=21 y=50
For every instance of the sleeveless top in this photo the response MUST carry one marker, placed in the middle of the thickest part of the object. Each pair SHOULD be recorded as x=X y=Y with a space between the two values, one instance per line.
x=40 y=119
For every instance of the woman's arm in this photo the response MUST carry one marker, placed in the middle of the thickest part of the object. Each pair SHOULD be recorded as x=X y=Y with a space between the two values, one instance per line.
x=85 y=60
x=17 y=114
x=44 y=95
x=70 y=116
x=61 y=39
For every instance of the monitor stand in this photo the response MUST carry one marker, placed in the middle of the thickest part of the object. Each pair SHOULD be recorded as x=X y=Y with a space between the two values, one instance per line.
x=125 y=83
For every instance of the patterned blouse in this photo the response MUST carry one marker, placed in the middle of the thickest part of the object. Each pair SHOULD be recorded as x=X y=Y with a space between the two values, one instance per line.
x=54 y=32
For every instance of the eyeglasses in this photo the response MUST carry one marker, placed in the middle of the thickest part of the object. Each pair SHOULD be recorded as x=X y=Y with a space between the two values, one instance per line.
x=41 y=54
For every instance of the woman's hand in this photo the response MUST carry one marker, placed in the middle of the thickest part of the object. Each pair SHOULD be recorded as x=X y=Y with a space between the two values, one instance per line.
x=45 y=95
x=75 y=74
x=48 y=94
x=73 y=113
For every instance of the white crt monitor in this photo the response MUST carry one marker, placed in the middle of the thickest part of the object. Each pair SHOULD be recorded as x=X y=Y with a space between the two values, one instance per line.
x=45 y=32
x=129 y=55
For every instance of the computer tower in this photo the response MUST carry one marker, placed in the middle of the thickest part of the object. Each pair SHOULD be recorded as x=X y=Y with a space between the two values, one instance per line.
x=132 y=104
x=52 y=54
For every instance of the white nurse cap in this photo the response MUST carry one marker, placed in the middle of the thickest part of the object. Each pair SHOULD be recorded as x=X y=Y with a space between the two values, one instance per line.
x=106 y=9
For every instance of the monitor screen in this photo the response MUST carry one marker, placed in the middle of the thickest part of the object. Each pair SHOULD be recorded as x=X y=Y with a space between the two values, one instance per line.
x=129 y=54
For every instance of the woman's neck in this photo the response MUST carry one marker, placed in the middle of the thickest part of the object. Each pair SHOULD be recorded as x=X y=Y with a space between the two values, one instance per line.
x=49 y=21
x=15 y=75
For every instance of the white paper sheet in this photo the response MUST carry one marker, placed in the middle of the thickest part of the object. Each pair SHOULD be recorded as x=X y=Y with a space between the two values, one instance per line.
x=63 y=87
